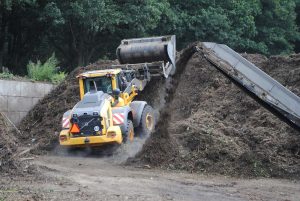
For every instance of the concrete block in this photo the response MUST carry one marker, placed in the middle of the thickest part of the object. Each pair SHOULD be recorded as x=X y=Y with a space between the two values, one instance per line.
x=14 y=88
x=10 y=88
x=48 y=88
x=19 y=104
x=18 y=97
x=3 y=88
x=42 y=89
x=35 y=101
x=14 y=117
x=27 y=89
x=3 y=104
x=30 y=89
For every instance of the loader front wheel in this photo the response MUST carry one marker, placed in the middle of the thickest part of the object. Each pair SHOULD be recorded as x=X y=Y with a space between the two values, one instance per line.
x=147 y=123
x=128 y=136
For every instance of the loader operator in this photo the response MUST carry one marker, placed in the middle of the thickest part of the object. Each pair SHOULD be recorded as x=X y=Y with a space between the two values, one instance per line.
x=100 y=84
x=93 y=88
x=117 y=99
x=123 y=81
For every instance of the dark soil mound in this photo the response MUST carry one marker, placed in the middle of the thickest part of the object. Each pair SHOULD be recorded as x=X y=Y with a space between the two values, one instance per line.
x=8 y=146
x=213 y=126
x=43 y=123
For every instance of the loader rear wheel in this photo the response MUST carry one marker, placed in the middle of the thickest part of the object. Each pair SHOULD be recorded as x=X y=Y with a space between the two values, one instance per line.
x=128 y=136
x=147 y=123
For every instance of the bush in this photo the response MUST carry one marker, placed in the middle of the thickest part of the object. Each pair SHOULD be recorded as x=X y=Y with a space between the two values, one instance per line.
x=6 y=75
x=46 y=71
x=58 y=77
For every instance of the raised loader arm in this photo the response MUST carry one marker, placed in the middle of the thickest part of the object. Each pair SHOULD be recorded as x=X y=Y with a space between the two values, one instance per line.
x=145 y=58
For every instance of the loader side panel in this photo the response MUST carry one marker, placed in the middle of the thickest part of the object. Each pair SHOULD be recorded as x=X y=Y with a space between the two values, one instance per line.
x=67 y=113
x=120 y=116
x=137 y=108
x=66 y=120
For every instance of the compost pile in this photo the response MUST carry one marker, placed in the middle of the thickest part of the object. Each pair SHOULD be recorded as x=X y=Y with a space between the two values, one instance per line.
x=214 y=126
x=8 y=146
x=207 y=124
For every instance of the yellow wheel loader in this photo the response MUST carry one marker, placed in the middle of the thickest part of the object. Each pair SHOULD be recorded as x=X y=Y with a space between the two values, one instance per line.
x=107 y=112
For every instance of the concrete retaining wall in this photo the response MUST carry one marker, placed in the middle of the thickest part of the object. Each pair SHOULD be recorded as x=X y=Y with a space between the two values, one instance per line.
x=18 y=97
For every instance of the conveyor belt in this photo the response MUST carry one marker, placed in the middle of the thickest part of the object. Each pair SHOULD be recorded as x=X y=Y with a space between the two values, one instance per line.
x=270 y=93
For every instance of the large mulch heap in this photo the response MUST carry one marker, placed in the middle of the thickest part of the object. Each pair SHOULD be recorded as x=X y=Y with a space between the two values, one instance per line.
x=211 y=125
x=8 y=146
x=207 y=124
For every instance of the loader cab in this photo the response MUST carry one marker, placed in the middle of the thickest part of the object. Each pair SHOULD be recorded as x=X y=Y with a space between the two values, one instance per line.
x=98 y=80
x=101 y=80
x=108 y=81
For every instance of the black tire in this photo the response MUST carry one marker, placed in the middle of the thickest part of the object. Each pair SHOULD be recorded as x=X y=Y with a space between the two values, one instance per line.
x=129 y=133
x=146 y=127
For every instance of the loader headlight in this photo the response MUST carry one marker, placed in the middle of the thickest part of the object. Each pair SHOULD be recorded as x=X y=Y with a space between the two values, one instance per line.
x=96 y=128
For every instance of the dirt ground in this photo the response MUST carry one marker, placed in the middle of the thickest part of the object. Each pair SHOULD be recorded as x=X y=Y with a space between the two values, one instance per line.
x=86 y=178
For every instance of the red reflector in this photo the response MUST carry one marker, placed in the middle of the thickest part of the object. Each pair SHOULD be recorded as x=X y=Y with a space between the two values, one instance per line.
x=63 y=138
x=75 y=128
x=111 y=134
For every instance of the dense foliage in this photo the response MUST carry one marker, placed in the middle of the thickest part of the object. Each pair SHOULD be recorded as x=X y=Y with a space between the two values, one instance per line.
x=47 y=71
x=82 y=31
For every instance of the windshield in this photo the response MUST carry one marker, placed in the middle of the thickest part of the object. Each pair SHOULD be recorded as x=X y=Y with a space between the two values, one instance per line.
x=99 y=84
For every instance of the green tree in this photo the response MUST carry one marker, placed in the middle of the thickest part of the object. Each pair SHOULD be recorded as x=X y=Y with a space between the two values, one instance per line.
x=18 y=19
x=76 y=28
x=141 y=17
x=276 y=26
x=230 y=21
x=297 y=43
x=83 y=31
x=265 y=26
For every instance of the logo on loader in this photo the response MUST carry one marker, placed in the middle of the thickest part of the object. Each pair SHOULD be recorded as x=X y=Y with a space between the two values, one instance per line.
x=118 y=118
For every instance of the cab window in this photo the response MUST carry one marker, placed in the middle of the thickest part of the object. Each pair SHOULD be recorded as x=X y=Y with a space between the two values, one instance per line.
x=100 y=84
